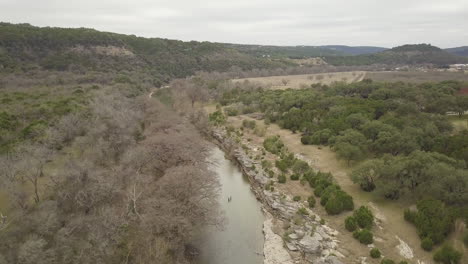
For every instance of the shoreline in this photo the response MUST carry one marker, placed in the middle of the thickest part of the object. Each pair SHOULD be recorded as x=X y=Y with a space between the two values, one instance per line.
x=308 y=242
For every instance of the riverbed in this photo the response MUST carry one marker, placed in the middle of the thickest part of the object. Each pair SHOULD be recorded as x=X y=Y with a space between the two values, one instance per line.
x=241 y=238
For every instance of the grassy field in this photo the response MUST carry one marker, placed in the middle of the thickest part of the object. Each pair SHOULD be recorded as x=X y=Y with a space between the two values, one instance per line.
x=305 y=80
x=459 y=123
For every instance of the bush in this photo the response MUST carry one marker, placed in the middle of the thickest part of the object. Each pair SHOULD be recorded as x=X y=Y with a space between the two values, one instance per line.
x=217 y=118
x=447 y=255
x=311 y=201
x=302 y=211
x=350 y=224
x=433 y=220
x=231 y=111
x=251 y=124
x=410 y=215
x=364 y=217
x=296 y=198
x=281 y=178
x=273 y=144
x=387 y=261
x=339 y=201
x=465 y=239
x=294 y=177
x=364 y=236
x=375 y=253
x=427 y=244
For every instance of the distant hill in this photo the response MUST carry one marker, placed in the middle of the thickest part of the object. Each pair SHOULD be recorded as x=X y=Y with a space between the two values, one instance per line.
x=402 y=55
x=460 y=51
x=24 y=47
x=356 y=50
x=296 y=52
x=285 y=51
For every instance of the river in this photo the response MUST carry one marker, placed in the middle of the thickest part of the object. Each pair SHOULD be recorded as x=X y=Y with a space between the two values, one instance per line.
x=241 y=239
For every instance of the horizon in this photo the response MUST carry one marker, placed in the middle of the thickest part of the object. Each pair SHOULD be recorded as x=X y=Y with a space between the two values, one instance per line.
x=296 y=23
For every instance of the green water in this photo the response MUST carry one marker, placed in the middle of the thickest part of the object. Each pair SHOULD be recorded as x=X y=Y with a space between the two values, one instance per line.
x=241 y=240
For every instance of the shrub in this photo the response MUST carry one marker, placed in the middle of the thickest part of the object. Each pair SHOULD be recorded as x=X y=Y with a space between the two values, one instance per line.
x=296 y=198
x=251 y=124
x=322 y=221
x=311 y=201
x=231 y=111
x=266 y=164
x=281 y=178
x=410 y=215
x=364 y=236
x=447 y=255
x=260 y=131
x=375 y=253
x=300 y=166
x=217 y=118
x=403 y=262
x=350 y=224
x=294 y=177
x=338 y=201
x=273 y=144
x=465 y=239
x=387 y=261
x=364 y=217
x=427 y=244
x=302 y=211
x=433 y=220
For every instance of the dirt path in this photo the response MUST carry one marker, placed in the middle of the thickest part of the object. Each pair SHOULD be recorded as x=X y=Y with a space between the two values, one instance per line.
x=392 y=226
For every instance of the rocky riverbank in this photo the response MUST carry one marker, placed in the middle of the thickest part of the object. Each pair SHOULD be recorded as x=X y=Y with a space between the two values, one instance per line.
x=304 y=241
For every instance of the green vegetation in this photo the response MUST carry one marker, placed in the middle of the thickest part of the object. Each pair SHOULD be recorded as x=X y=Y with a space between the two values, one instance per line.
x=364 y=236
x=397 y=133
x=375 y=253
x=281 y=178
x=364 y=217
x=27 y=47
x=311 y=202
x=407 y=54
x=296 y=198
x=447 y=255
x=350 y=224
x=217 y=118
x=433 y=220
x=273 y=144
x=387 y=261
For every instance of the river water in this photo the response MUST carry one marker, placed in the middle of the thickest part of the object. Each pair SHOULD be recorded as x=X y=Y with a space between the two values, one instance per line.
x=241 y=239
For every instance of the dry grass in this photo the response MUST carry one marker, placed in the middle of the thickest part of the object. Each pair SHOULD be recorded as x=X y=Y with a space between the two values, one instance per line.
x=458 y=123
x=305 y=80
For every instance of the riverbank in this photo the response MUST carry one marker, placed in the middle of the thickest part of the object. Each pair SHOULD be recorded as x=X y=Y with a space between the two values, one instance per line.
x=306 y=239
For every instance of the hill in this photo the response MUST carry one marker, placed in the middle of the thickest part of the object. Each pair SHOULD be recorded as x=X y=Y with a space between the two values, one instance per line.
x=356 y=50
x=295 y=52
x=460 y=51
x=285 y=51
x=403 y=55
x=24 y=47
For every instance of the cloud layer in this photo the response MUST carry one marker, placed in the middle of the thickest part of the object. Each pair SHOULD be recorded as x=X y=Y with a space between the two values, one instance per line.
x=274 y=22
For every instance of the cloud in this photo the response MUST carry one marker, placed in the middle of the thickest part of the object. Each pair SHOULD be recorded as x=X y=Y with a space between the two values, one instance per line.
x=294 y=22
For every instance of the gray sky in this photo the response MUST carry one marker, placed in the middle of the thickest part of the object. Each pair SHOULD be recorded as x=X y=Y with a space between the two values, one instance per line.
x=443 y=23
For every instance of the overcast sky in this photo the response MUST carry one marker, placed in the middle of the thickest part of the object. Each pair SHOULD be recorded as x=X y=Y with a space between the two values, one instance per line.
x=443 y=23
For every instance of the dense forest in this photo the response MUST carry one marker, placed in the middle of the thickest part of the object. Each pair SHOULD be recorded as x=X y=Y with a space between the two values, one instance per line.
x=24 y=48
